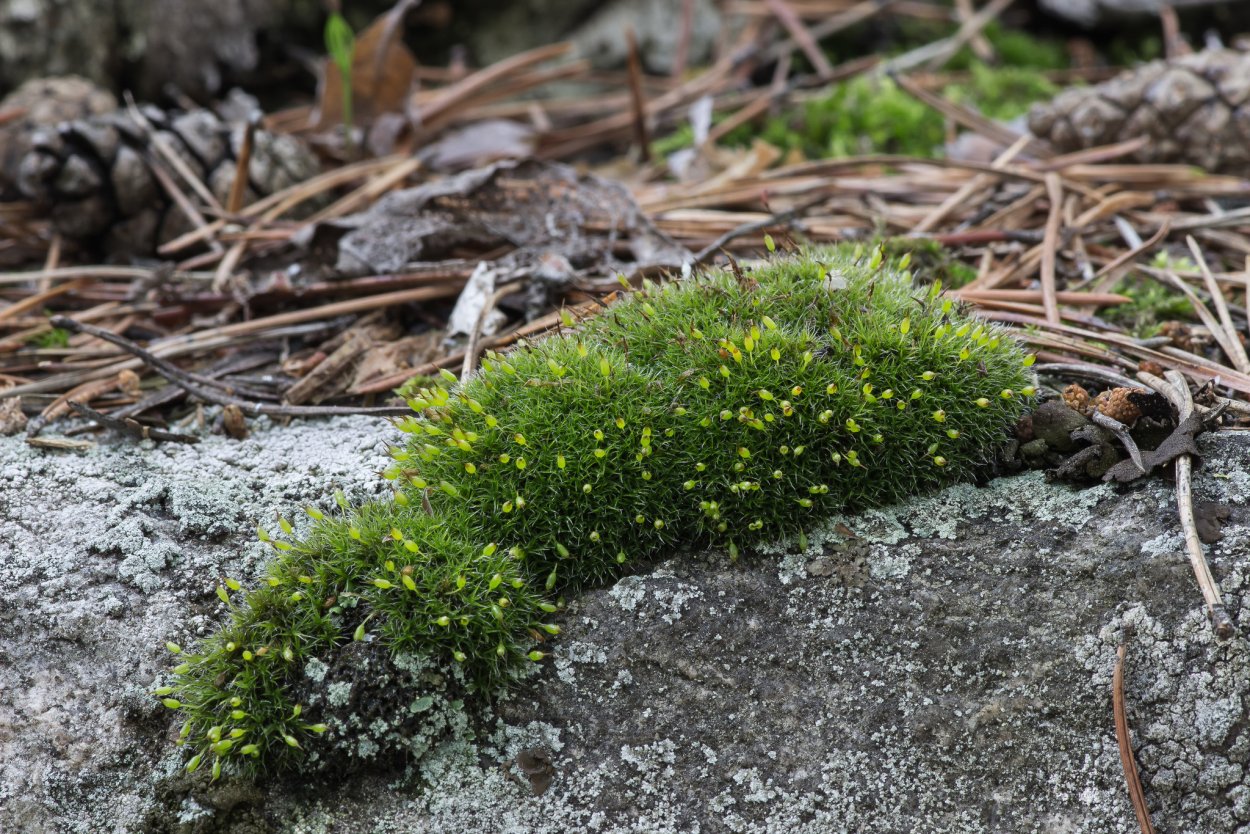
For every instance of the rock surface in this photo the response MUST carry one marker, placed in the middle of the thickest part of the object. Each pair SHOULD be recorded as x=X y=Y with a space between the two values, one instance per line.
x=1090 y=12
x=947 y=670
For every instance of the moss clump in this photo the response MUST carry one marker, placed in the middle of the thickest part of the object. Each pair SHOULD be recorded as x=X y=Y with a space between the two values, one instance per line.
x=1152 y=304
x=870 y=114
x=727 y=410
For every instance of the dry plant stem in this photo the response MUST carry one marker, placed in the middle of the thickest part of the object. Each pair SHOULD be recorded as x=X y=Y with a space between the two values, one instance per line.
x=682 y=51
x=85 y=392
x=172 y=159
x=1176 y=389
x=1136 y=251
x=52 y=261
x=941 y=50
x=705 y=254
x=978 y=44
x=1094 y=372
x=968 y=117
x=170 y=393
x=183 y=380
x=1102 y=153
x=637 y=98
x=782 y=11
x=367 y=193
x=1236 y=351
x=434 y=113
x=969 y=188
x=1200 y=309
x=275 y=205
x=1050 y=246
x=225 y=268
x=125 y=273
x=1197 y=367
x=539 y=325
x=42 y=297
x=1089 y=299
x=171 y=372
x=1122 y=434
x=471 y=349
x=830 y=26
x=238 y=187
x=131 y=427
x=1135 y=793
x=180 y=200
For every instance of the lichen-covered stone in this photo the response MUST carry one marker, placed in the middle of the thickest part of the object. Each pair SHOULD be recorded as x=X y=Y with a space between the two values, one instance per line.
x=960 y=674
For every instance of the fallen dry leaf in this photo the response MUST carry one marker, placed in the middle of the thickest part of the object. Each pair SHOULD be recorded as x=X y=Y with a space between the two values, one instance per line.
x=383 y=70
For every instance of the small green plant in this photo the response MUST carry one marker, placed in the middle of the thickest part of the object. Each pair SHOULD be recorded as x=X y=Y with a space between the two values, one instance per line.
x=729 y=409
x=341 y=46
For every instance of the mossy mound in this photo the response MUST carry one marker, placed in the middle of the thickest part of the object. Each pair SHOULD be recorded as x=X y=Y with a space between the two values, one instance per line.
x=727 y=409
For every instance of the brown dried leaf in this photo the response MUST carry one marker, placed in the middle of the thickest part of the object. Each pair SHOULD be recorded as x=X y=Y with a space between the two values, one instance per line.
x=383 y=71
x=1179 y=442
x=382 y=360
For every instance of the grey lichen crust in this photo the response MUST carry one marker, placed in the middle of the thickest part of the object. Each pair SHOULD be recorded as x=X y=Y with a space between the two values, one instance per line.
x=947 y=670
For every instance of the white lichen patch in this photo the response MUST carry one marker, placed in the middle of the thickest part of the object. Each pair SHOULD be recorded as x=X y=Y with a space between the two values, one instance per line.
x=567 y=657
x=315 y=670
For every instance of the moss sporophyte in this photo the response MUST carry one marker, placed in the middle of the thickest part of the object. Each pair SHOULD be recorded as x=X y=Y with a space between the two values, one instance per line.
x=721 y=410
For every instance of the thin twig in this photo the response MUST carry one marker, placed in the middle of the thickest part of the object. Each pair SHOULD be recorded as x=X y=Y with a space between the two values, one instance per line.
x=782 y=11
x=1135 y=793
x=681 y=51
x=969 y=188
x=238 y=187
x=1138 y=250
x=1122 y=434
x=172 y=159
x=1176 y=390
x=705 y=254
x=1050 y=246
x=1081 y=369
x=941 y=50
x=637 y=98
x=1236 y=351
x=470 y=350
x=131 y=427
x=51 y=262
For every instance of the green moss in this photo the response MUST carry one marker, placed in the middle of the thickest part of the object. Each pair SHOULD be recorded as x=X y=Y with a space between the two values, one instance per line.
x=1152 y=303
x=870 y=114
x=728 y=410
x=57 y=337
x=1001 y=92
x=1015 y=49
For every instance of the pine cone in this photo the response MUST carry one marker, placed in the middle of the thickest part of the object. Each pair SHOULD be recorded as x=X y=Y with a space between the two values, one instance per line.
x=1195 y=110
x=1076 y=398
x=43 y=103
x=94 y=175
x=1118 y=404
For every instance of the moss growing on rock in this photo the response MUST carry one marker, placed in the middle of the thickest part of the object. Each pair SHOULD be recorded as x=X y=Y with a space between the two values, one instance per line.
x=727 y=410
